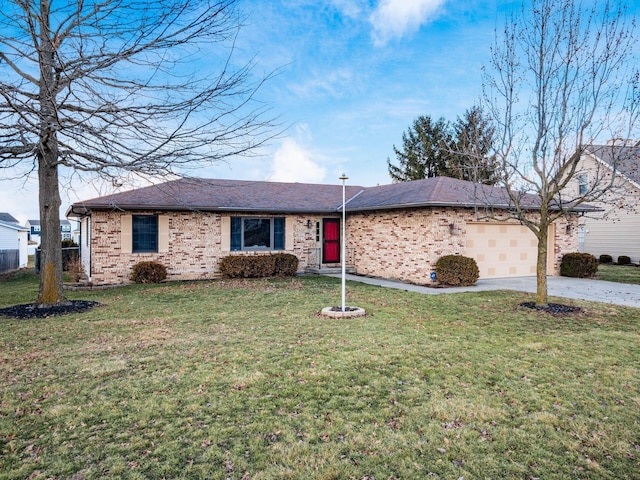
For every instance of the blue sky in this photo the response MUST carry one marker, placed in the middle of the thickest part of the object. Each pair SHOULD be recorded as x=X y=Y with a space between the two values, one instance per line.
x=353 y=75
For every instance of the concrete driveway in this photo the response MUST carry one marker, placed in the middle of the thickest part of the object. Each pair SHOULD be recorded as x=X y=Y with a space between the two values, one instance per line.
x=578 y=288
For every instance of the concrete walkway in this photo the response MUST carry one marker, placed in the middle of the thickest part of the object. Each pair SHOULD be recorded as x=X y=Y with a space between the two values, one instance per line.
x=577 y=288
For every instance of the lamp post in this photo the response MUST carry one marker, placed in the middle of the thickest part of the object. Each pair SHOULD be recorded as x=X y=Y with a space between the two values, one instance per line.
x=344 y=178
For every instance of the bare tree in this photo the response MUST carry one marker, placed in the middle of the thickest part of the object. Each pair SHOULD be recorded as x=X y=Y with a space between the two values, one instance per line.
x=559 y=77
x=107 y=86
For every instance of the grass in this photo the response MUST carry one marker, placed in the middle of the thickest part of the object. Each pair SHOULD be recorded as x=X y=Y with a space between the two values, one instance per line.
x=619 y=273
x=243 y=380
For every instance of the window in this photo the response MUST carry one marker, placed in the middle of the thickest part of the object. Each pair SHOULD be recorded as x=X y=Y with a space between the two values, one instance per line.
x=144 y=230
x=253 y=233
x=583 y=184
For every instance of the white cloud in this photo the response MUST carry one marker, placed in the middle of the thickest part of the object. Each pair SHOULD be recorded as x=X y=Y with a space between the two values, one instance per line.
x=394 y=18
x=349 y=8
x=292 y=163
x=335 y=83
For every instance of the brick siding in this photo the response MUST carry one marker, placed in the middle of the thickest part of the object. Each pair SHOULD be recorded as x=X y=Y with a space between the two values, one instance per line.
x=405 y=244
x=402 y=244
x=195 y=246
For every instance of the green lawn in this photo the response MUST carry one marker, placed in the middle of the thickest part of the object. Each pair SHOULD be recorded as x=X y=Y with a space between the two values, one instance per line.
x=243 y=380
x=619 y=273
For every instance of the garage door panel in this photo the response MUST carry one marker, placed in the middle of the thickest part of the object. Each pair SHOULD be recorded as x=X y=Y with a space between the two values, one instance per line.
x=502 y=250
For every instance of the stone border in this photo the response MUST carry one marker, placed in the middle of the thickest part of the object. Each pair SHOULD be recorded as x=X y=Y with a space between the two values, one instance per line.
x=351 y=312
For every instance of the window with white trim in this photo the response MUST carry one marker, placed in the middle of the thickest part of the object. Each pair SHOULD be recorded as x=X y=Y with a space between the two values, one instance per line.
x=583 y=184
x=255 y=233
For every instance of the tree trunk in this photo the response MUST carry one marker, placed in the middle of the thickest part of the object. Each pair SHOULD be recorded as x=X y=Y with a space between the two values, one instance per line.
x=51 y=289
x=541 y=266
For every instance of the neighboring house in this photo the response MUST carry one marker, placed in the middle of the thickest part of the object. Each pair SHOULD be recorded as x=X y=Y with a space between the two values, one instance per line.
x=8 y=218
x=13 y=246
x=395 y=231
x=615 y=230
x=34 y=230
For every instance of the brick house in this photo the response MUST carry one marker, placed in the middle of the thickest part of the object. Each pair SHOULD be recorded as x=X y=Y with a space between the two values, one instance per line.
x=394 y=231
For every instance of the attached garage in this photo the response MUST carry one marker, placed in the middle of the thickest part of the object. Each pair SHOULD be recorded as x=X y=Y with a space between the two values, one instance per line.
x=504 y=250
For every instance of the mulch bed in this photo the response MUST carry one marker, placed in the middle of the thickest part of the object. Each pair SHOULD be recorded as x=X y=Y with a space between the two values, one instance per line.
x=553 y=308
x=32 y=310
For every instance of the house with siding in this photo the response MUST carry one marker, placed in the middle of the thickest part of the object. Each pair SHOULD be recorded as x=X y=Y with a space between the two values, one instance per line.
x=34 y=230
x=13 y=246
x=395 y=231
x=615 y=228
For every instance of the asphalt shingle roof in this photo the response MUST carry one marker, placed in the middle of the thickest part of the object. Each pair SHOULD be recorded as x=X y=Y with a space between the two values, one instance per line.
x=625 y=158
x=434 y=191
x=230 y=195
x=253 y=196
x=7 y=217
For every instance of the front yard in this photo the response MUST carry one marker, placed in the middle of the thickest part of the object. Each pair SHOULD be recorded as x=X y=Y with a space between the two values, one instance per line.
x=243 y=380
x=619 y=273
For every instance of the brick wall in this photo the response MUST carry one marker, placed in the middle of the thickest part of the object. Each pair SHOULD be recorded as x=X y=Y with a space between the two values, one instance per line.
x=194 y=246
x=405 y=244
x=402 y=244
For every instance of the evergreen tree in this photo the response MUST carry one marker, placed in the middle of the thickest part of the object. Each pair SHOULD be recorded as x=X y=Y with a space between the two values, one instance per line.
x=426 y=151
x=463 y=150
x=473 y=157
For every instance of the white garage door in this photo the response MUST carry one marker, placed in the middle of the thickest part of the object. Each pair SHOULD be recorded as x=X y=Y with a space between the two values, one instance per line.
x=503 y=250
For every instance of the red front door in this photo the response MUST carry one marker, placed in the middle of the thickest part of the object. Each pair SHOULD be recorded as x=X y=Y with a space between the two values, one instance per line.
x=331 y=240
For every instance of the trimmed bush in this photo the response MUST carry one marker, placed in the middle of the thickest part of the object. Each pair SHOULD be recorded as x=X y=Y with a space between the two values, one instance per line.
x=286 y=265
x=457 y=270
x=148 y=272
x=259 y=266
x=624 y=260
x=578 y=265
x=605 y=259
x=68 y=243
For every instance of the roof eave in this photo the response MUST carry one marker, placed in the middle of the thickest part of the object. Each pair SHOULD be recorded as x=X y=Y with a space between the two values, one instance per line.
x=83 y=210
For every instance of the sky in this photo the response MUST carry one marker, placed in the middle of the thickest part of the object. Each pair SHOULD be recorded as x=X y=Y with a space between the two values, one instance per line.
x=352 y=75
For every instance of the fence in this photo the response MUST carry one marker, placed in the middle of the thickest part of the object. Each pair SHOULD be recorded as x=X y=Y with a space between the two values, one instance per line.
x=9 y=260
x=68 y=254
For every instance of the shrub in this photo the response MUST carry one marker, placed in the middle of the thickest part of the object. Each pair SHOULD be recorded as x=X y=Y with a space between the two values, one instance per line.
x=624 y=260
x=579 y=265
x=457 y=270
x=148 y=272
x=69 y=254
x=259 y=266
x=68 y=243
x=75 y=269
x=605 y=259
x=286 y=265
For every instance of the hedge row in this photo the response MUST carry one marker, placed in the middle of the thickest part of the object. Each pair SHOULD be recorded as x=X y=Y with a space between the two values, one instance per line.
x=258 y=266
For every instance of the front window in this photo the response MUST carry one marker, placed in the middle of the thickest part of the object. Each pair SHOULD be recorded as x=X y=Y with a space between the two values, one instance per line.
x=583 y=184
x=144 y=229
x=253 y=233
